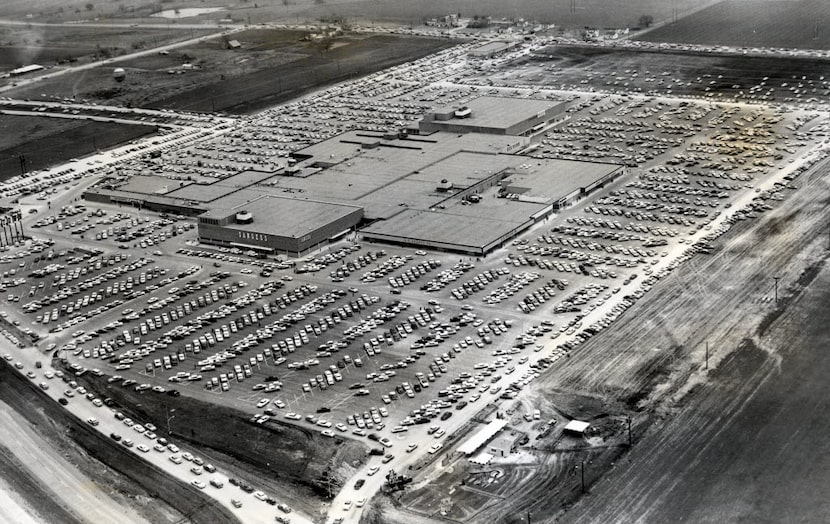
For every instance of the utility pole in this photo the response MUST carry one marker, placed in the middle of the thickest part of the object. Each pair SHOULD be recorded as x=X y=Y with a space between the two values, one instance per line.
x=582 y=472
x=707 y=354
x=776 y=289
x=629 y=432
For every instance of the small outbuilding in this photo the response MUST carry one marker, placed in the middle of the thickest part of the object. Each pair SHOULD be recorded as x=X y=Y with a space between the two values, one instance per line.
x=576 y=427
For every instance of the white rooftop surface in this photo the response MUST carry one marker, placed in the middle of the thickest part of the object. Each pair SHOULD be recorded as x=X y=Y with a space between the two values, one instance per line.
x=577 y=426
x=482 y=459
x=481 y=436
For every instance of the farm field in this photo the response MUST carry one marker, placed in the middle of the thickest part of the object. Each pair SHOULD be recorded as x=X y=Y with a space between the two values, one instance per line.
x=594 y=13
x=752 y=23
x=47 y=141
x=299 y=72
x=272 y=66
x=719 y=77
x=50 y=45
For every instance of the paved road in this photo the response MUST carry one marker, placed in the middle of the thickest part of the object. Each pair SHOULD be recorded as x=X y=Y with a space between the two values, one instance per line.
x=61 y=477
x=253 y=510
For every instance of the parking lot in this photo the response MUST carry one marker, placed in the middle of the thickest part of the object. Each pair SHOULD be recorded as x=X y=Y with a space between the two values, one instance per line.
x=392 y=346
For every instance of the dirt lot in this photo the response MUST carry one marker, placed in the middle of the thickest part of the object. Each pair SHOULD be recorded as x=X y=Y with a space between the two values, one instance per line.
x=44 y=141
x=271 y=67
x=29 y=491
x=758 y=417
x=750 y=23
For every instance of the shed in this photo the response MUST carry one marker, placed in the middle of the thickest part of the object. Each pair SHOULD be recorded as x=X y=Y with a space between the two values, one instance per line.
x=576 y=427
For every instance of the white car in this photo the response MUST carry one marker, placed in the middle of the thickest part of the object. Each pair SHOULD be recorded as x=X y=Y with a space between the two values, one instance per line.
x=347 y=505
x=360 y=502
x=373 y=470
x=198 y=483
x=262 y=403
x=260 y=495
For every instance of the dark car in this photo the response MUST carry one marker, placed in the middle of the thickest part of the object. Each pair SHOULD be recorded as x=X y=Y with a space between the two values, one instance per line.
x=445 y=415
x=359 y=484
x=62 y=401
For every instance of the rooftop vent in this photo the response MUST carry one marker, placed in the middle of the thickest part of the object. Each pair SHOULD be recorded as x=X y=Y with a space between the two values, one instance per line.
x=244 y=217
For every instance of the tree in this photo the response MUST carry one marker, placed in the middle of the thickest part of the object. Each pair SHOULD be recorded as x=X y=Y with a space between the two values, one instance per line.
x=89 y=6
x=646 y=20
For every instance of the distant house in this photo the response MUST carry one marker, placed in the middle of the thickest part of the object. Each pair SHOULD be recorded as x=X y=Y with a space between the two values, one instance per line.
x=234 y=44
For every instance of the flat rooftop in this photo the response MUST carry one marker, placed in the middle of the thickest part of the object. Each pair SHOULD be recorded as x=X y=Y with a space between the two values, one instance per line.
x=501 y=112
x=492 y=47
x=287 y=217
x=151 y=185
x=441 y=229
x=551 y=179
x=220 y=187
